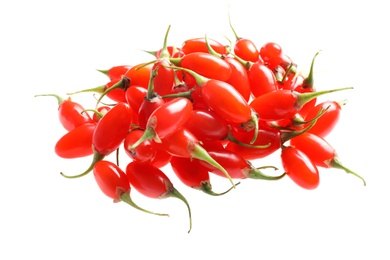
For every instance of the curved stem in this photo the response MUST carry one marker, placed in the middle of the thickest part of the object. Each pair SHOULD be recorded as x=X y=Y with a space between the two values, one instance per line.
x=231 y=138
x=207 y=188
x=173 y=192
x=335 y=163
x=255 y=173
x=198 y=152
x=99 y=114
x=123 y=83
x=231 y=26
x=288 y=135
x=255 y=120
x=59 y=99
x=125 y=197
x=200 y=80
x=96 y=157
x=210 y=49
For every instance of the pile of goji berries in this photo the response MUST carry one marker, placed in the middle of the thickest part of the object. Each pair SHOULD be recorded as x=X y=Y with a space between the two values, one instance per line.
x=204 y=108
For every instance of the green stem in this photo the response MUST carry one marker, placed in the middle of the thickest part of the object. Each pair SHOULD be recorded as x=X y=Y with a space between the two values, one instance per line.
x=308 y=82
x=200 y=80
x=99 y=114
x=206 y=187
x=105 y=72
x=98 y=89
x=231 y=138
x=255 y=120
x=303 y=98
x=186 y=94
x=96 y=157
x=151 y=94
x=198 y=152
x=255 y=173
x=123 y=83
x=59 y=99
x=173 y=192
x=231 y=26
x=148 y=134
x=289 y=135
x=125 y=197
x=210 y=49
x=335 y=163
x=164 y=51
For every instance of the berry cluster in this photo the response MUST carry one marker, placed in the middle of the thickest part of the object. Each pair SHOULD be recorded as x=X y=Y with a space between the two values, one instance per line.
x=203 y=108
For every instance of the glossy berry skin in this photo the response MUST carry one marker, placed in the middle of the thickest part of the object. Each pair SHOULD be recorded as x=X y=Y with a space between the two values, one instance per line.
x=207 y=65
x=112 y=129
x=199 y=45
x=273 y=56
x=320 y=152
x=316 y=148
x=111 y=180
x=190 y=172
x=262 y=80
x=148 y=180
x=109 y=134
x=161 y=157
x=146 y=108
x=144 y=152
x=114 y=183
x=300 y=168
x=117 y=94
x=170 y=117
x=153 y=183
x=328 y=121
x=230 y=104
x=70 y=114
x=276 y=105
x=246 y=50
x=135 y=95
x=76 y=143
x=180 y=143
x=164 y=80
x=139 y=75
x=207 y=125
x=116 y=72
x=239 y=78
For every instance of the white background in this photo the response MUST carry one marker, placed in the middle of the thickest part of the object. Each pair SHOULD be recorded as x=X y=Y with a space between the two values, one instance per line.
x=56 y=47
